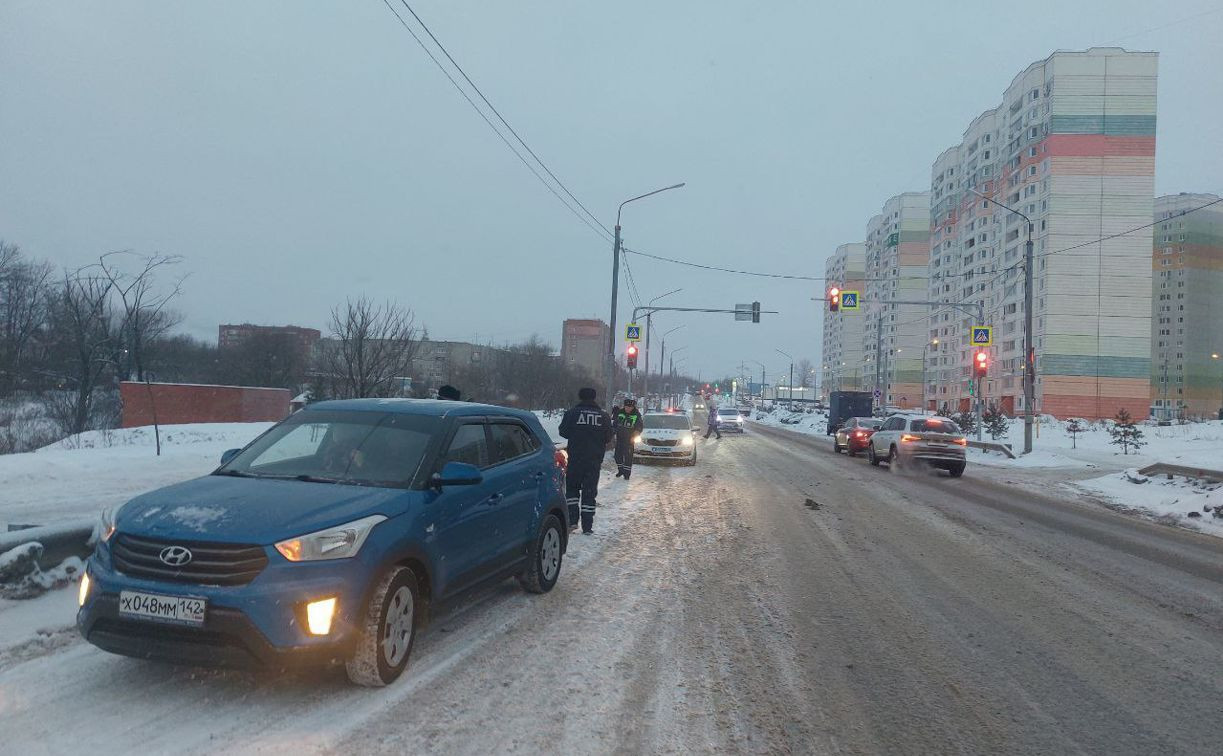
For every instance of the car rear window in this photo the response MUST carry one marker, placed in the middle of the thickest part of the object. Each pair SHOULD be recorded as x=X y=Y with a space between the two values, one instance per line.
x=934 y=426
x=670 y=422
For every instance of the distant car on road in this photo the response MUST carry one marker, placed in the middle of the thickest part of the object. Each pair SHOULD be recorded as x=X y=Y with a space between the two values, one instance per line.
x=666 y=436
x=853 y=436
x=329 y=538
x=907 y=439
x=730 y=419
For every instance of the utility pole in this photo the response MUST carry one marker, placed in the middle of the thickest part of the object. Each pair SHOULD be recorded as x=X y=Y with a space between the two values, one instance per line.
x=1029 y=350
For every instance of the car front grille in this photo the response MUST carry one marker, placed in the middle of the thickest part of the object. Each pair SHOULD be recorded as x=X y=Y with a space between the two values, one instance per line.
x=662 y=441
x=211 y=563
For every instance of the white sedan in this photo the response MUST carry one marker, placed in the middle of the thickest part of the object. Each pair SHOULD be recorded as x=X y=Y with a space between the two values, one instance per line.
x=666 y=435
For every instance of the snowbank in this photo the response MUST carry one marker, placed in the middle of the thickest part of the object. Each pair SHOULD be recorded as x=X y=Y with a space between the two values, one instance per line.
x=813 y=423
x=1168 y=501
x=81 y=475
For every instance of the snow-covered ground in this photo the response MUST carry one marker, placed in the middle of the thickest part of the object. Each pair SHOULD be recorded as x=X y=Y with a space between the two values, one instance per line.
x=80 y=476
x=1168 y=501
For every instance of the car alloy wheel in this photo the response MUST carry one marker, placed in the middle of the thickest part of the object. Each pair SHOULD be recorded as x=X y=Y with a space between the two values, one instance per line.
x=386 y=630
x=544 y=566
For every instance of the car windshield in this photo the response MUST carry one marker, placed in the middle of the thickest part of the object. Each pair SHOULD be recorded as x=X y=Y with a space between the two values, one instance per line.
x=670 y=422
x=869 y=422
x=360 y=448
x=933 y=425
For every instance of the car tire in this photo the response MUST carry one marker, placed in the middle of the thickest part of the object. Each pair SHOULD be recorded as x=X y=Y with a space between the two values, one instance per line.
x=836 y=448
x=849 y=451
x=893 y=459
x=956 y=470
x=544 y=567
x=387 y=630
x=871 y=456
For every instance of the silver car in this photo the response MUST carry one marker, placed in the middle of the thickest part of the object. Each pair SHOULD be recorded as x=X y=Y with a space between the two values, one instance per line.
x=932 y=440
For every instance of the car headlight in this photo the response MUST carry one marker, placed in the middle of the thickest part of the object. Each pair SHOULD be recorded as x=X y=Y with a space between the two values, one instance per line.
x=637 y=438
x=106 y=525
x=687 y=440
x=340 y=542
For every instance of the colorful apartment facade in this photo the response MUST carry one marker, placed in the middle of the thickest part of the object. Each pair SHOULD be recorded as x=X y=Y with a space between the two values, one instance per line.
x=842 y=368
x=1187 y=295
x=893 y=334
x=1072 y=147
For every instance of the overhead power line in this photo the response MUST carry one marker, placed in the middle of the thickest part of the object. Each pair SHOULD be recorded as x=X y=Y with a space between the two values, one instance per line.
x=594 y=226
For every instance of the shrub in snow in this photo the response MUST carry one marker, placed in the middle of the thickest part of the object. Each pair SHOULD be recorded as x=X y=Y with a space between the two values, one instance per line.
x=1125 y=432
x=967 y=422
x=996 y=424
x=1074 y=428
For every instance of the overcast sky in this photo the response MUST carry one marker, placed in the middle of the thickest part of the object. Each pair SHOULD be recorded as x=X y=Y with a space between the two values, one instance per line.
x=295 y=153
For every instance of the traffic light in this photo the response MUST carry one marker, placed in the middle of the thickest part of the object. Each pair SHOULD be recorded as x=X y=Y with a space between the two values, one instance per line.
x=980 y=364
x=630 y=357
x=834 y=299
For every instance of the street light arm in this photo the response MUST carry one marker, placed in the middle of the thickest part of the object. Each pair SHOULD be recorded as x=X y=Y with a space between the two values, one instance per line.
x=999 y=204
x=643 y=196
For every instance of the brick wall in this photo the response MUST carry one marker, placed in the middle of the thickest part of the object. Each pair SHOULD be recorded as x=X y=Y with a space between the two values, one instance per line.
x=179 y=403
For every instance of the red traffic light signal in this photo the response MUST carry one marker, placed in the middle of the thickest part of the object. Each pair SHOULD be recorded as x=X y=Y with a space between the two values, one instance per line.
x=834 y=299
x=980 y=364
x=630 y=357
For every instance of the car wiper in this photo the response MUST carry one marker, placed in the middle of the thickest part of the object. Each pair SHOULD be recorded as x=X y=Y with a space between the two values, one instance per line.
x=237 y=474
x=315 y=479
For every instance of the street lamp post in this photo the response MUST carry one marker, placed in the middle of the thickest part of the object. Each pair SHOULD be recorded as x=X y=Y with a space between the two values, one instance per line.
x=609 y=370
x=932 y=342
x=1029 y=359
x=662 y=357
x=1215 y=356
x=790 y=388
x=645 y=381
x=761 y=364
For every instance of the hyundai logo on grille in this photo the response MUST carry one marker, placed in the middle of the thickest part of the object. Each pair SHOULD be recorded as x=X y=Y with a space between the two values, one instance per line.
x=175 y=556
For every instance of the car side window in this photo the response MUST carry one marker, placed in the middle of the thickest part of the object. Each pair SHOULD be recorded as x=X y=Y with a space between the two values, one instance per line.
x=469 y=445
x=510 y=441
x=894 y=423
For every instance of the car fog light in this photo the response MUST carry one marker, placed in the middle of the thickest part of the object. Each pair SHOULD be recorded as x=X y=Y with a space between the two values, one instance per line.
x=83 y=591
x=319 y=614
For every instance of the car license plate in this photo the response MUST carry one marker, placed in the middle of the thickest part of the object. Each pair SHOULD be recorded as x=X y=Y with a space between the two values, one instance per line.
x=181 y=610
x=661 y=449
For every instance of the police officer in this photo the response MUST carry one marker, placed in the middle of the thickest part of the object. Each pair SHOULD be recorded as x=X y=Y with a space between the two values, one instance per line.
x=628 y=424
x=588 y=429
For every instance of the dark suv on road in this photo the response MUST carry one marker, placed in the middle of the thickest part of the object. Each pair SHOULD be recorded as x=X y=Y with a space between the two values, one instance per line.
x=329 y=537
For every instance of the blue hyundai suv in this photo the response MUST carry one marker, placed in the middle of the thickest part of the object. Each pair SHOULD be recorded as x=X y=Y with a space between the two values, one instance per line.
x=329 y=538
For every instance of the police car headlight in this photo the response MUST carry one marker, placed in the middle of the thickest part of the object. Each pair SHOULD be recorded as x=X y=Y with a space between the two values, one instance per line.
x=637 y=439
x=687 y=440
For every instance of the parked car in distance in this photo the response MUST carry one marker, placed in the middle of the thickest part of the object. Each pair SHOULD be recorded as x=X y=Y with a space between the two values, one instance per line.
x=926 y=439
x=330 y=538
x=852 y=437
x=730 y=419
x=666 y=436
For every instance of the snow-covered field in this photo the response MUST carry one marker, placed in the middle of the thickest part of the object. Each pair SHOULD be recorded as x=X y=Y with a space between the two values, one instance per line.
x=82 y=475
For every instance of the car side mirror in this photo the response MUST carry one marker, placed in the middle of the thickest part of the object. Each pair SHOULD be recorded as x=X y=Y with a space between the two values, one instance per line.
x=229 y=454
x=457 y=474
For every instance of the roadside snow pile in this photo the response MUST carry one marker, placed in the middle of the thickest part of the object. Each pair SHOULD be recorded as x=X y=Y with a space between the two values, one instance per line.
x=1054 y=445
x=1195 y=504
x=81 y=475
x=21 y=577
x=811 y=423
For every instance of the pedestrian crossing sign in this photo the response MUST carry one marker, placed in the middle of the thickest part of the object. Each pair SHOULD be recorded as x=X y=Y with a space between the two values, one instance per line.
x=982 y=336
x=849 y=300
x=632 y=332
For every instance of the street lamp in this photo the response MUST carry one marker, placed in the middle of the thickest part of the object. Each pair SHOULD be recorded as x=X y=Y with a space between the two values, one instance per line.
x=1029 y=358
x=663 y=356
x=1215 y=356
x=790 y=390
x=609 y=370
x=932 y=342
x=761 y=364
x=645 y=381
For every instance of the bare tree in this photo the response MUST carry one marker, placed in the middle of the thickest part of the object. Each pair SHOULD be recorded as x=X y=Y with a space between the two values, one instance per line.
x=806 y=373
x=24 y=305
x=143 y=311
x=83 y=324
x=370 y=347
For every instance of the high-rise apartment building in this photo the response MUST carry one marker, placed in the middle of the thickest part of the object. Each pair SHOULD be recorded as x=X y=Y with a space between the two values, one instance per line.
x=897 y=257
x=842 y=365
x=584 y=345
x=1072 y=147
x=1187 y=296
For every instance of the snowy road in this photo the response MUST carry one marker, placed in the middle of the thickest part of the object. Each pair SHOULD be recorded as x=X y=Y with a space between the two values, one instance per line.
x=717 y=611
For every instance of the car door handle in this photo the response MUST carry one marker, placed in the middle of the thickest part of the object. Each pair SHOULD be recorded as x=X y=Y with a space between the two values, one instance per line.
x=494 y=499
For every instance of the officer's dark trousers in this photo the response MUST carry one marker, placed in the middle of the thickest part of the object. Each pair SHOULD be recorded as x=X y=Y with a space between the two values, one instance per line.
x=581 y=488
